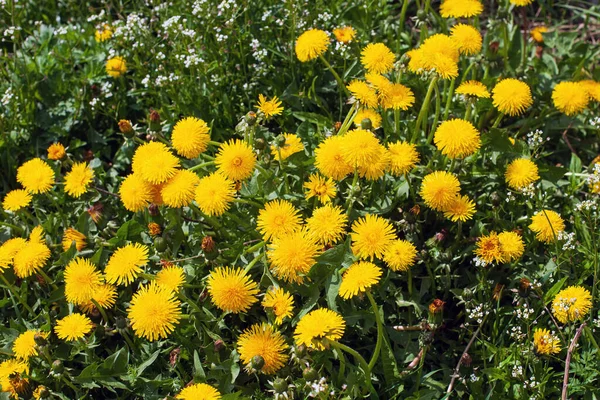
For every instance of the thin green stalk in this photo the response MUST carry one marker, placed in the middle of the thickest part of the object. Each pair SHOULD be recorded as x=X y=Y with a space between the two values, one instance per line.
x=342 y=371
x=348 y=120
x=498 y=120
x=402 y=16
x=506 y=48
x=397 y=122
x=252 y=249
x=251 y=264
x=191 y=303
x=469 y=108
x=351 y=198
x=379 y=343
x=335 y=75
x=361 y=361
x=127 y=339
x=13 y=290
x=450 y=94
x=424 y=109
x=198 y=166
x=47 y=278
x=250 y=202
x=435 y=118
x=102 y=312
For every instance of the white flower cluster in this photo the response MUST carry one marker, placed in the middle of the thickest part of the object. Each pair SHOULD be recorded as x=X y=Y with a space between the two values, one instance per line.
x=523 y=312
x=517 y=370
x=97 y=17
x=317 y=387
x=10 y=32
x=190 y=59
x=7 y=97
x=594 y=178
x=587 y=205
x=528 y=190
x=132 y=30
x=477 y=313
x=480 y=262
x=595 y=122
x=530 y=383
x=198 y=6
x=516 y=333
x=568 y=239
x=536 y=138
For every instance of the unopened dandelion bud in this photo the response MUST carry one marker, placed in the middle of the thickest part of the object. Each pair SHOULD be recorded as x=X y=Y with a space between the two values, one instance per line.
x=153 y=210
x=250 y=118
x=126 y=128
x=57 y=366
x=260 y=144
x=437 y=306
x=280 y=386
x=219 y=345
x=121 y=323
x=310 y=374
x=41 y=392
x=154 y=116
x=466 y=359
x=366 y=124
x=257 y=363
x=337 y=126
x=280 y=141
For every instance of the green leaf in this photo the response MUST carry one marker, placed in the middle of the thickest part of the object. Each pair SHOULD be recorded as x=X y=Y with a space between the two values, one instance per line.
x=316 y=119
x=129 y=230
x=198 y=370
x=142 y=367
x=117 y=363
x=390 y=368
x=554 y=289
x=332 y=286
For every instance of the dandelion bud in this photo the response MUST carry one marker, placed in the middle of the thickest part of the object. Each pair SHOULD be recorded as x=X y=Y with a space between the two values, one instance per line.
x=174 y=356
x=437 y=306
x=203 y=296
x=153 y=210
x=466 y=359
x=337 y=126
x=366 y=124
x=301 y=350
x=126 y=128
x=57 y=366
x=41 y=392
x=260 y=144
x=257 y=363
x=280 y=141
x=539 y=51
x=121 y=322
x=219 y=345
x=250 y=118
x=160 y=244
x=280 y=386
x=154 y=229
x=40 y=339
x=440 y=236
x=154 y=116
x=524 y=287
x=310 y=374
x=209 y=247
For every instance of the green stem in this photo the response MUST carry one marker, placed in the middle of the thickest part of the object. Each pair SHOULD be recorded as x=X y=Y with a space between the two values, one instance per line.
x=198 y=166
x=424 y=109
x=252 y=249
x=335 y=75
x=348 y=120
x=506 y=49
x=187 y=300
x=351 y=198
x=469 y=107
x=402 y=16
x=13 y=290
x=47 y=278
x=449 y=98
x=363 y=364
x=375 y=355
x=251 y=264
x=498 y=120
x=102 y=312
x=127 y=339
x=213 y=143
x=250 y=202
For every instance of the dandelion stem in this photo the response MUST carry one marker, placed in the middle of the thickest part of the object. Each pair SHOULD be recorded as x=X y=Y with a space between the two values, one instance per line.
x=13 y=290
x=251 y=264
x=335 y=75
x=102 y=311
x=565 y=388
x=252 y=249
x=198 y=166
x=363 y=364
x=189 y=301
x=449 y=98
x=424 y=109
x=47 y=278
x=498 y=120
x=213 y=143
x=402 y=16
x=127 y=339
x=375 y=355
x=250 y=202
x=351 y=198
x=348 y=120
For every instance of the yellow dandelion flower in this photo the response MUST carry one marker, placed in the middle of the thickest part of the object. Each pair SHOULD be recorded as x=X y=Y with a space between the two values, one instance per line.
x=103 y=34
x=440 y=45
x=572 y=304
x=171 y=277
x=379 y=82
x=154 y=312
x=439 y=189
x=377 y=58
x=457 y=138
x=81 y=280
x=417 y=62
x=545 y=342
x=327 y=224
x=156 y=193
x=261 y=340
x=199 y=391
x=461 y=208
x=359 y=278
x=489 y=248
x=403 y=157
x=318 y=325
x=444 y=66
x=10 y=377
x=521 y=3
x=520 y=173
x=214 y=194
x=73 y=327
x=371 y=236
x=511 y=245
x=31 y=258
x=376 y=169
x=71 y=235
x=592 y=88
x=400 y=255
x=78 y=179
x=311 y=44
x=537 y=33
x=105 y=295
x=570 y=98
x=547 y=224
x=292 y=255
x=16 y=200
x=396 y=96
x=323 y=189
x=24 y=345
x=511 y=96
x=37 y=235
x=126 y=264
x=371 y=115
x=460 y=8
x=292 y=145
x=135 y=193
x=473 y=89
x=154 y=162
x=154 y=229
x=360 y=147
x=438 y=53
x=116 y=66
x=277 y=218
x=269 y=108
x=36 y=176
x=364 y=93
x=190 y=137
x=236 y=160
x=9 y=250
x=232 y=290
x=344 y=34
x=329 y=159
x=56 y=151
x=280 y=302
x=467 y=38
x=179 y=191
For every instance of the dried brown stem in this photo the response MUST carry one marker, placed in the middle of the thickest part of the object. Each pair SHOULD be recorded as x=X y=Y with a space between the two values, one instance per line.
x=565 y=388
x=456 y=375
